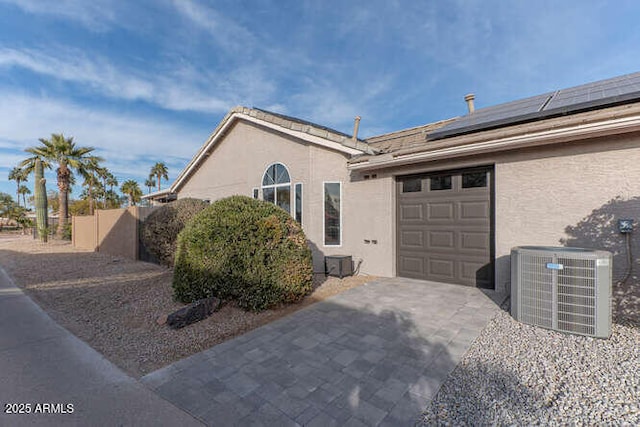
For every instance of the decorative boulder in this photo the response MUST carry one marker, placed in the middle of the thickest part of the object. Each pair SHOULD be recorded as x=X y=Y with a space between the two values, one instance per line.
x=193 y=313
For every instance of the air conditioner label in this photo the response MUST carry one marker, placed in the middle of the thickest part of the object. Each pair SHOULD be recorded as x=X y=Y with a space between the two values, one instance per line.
x=552 y=266
x=602 y=261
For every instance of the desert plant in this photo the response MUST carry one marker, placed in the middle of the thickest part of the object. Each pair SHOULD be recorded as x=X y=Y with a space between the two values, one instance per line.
x=69 y=157
x=40 y=200
x=244 y=250
x=160 y=229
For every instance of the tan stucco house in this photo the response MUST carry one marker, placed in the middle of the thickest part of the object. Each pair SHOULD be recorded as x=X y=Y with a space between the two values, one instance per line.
x=448 y=200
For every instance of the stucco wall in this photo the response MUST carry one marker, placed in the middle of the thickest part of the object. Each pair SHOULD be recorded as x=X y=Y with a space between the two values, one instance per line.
x=112 y=231
x=237 y=165
x=84 y=232
x=570 y=195
x=567 y=194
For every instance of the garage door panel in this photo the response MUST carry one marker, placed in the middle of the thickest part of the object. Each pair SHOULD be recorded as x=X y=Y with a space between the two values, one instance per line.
x=412 y=265
x=469 y=268
x=442 y=268
x=411 y=212
x=475 y=241
x=412 y=239
x=441 y=239
x=440 y=211
x=452 y=241
x=474 y=210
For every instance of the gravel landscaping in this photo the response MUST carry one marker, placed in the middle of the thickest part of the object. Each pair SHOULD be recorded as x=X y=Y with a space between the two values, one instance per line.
x=516 y=374
x=113 y=303
x=513 y=374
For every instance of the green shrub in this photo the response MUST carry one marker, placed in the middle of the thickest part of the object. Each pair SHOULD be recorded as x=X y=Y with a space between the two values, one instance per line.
x=244 y=250
x=67 y=231
x=160 y=229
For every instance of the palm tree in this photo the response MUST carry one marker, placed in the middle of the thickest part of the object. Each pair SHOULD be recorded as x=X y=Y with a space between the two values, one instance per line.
x=131 y=189
x=159 y=171
x=91 y=171
x=108 y=180
x=149 y=183
x=19 y=175
x=64 y=153
x=24 y=190
x=6 y=205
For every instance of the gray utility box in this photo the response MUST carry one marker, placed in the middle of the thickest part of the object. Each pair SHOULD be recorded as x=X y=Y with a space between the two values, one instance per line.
x=564 y=289
x=338 y=265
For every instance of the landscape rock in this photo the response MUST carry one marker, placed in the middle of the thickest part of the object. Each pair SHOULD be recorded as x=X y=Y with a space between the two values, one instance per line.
x=162 y=320
x=193 y=313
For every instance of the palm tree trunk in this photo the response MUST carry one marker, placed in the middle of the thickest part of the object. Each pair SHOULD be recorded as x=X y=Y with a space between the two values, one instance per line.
x=18 y=192
x=159 y=181
x=63 y=198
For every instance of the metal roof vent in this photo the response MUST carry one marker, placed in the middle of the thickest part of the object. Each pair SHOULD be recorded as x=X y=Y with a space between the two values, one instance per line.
x=564 y=289
x=469 y=98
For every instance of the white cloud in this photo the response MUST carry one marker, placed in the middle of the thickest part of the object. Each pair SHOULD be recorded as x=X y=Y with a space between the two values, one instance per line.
x=96 y=15
x=129 y=145
x=101 y=76
x=225 y=32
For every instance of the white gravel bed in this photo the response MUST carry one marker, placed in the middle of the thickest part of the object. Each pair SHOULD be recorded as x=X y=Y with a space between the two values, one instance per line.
x=516 y=374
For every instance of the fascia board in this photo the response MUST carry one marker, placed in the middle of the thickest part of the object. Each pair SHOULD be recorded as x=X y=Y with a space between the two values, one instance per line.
x=590 y=130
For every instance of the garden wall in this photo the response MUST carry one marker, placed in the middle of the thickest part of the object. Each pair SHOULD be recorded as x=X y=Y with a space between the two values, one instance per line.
x=111 y=231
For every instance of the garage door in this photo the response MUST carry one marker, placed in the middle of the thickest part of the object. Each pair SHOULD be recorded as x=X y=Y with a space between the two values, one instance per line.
x=444 y=227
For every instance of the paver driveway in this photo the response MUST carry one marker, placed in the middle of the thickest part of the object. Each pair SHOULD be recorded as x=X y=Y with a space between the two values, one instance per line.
x=374 y=355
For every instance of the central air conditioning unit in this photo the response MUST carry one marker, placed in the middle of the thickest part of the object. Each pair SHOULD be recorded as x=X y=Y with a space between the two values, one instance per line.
x=564 y=289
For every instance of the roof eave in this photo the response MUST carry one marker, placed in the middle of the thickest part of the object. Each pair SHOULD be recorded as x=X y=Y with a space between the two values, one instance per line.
x=236 y=114
x=614 y=126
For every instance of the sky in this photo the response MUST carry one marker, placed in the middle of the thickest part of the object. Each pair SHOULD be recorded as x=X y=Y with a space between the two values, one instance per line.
x=148 y=80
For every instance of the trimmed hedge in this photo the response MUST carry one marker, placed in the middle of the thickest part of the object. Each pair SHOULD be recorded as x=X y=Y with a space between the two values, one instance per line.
x=159 y=231
x=244 y=250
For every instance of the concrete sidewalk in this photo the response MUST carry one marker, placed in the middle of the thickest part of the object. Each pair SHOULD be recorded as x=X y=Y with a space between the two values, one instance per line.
x=43 y=363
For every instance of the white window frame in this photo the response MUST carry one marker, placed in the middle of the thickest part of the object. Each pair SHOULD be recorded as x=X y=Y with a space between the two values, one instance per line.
x=275 y=186
x=323 y=215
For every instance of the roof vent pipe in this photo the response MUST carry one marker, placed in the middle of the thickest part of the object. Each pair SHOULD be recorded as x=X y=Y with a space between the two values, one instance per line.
x=469 y=98
x=356 y=125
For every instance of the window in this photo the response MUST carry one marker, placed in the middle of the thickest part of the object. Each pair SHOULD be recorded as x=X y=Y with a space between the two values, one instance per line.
x=332 y=214
x=276 y=186
x=412 y=185
x=298 y=202
x=256 y=193
x=474 y=179
x=442 y=182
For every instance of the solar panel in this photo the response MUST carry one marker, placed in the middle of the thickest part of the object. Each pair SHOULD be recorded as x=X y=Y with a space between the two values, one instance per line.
x=594 y=95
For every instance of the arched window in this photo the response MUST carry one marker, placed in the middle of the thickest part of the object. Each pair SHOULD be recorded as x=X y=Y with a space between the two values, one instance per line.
x=276 y=186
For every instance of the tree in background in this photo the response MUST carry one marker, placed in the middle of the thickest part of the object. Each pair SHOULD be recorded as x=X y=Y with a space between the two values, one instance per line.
x=110 y=197
x=159 y=171
x=19 y=175
x=92 y=184
x=12 y=211
x=64 y=153
x=6 y=204
x=23 y=190
x=131 y=189
x=149 y=183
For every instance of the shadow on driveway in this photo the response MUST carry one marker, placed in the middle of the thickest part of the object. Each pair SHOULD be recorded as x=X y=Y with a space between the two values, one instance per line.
x=374 y=355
